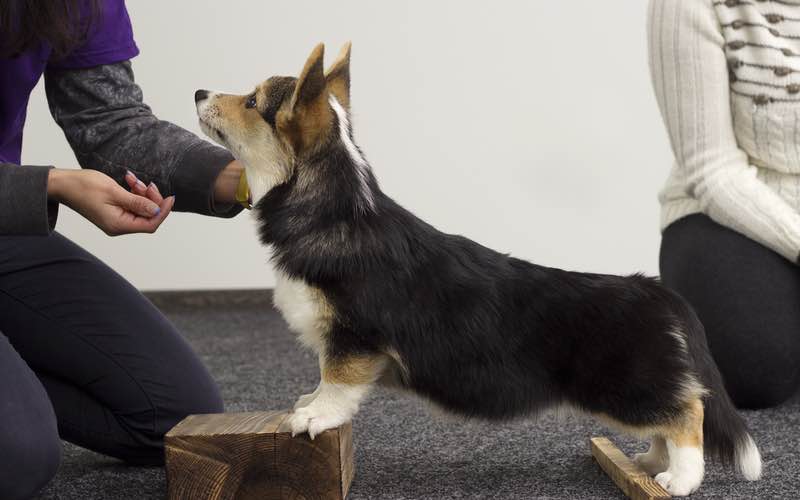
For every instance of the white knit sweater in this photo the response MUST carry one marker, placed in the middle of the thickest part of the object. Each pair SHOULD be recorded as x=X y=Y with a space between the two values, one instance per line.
x=727 y=77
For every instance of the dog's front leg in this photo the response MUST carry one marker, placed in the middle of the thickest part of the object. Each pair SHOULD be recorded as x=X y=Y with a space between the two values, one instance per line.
x=306 y=399
x=344 y=382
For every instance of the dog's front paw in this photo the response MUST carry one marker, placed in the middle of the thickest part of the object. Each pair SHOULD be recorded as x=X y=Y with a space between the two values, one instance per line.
x=314 y=419
x=678 y=485
x=305 y=400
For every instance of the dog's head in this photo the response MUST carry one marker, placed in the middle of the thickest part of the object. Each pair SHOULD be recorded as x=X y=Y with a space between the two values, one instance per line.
x=284 y=120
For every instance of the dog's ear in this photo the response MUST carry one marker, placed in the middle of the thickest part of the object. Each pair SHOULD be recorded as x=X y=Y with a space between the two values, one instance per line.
x=311 y=82
x=337 y=77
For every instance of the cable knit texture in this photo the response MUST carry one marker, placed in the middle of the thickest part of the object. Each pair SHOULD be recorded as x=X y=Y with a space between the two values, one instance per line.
x=726 y=74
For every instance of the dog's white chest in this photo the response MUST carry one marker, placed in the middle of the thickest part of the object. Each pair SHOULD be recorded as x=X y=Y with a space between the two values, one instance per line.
x=304 y=308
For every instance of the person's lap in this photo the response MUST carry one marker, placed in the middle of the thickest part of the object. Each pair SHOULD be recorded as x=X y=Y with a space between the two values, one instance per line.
x=748 y=299
x=116 y=372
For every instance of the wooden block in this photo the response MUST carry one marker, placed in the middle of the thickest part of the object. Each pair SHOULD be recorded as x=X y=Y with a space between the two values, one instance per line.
x=631 y=479
x=241 y=456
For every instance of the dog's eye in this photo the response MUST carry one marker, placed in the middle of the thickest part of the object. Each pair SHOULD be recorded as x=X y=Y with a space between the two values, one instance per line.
x=251 y=102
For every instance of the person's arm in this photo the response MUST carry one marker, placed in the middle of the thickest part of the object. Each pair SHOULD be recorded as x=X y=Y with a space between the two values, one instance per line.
x=111 y=130
x=690 y=77
x=108 y=205
x=30 y=196
x=24 y=205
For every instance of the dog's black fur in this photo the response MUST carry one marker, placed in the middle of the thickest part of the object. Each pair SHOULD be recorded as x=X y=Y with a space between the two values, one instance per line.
x=381 y=296
x=482 y=333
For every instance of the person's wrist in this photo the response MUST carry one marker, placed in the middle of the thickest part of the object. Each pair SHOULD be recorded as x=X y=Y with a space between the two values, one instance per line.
x=58 y=182
x=65 y=185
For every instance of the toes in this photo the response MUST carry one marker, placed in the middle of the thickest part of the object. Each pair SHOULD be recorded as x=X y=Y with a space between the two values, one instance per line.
x=305 y=419
x=319 y=425
x=298 y=422
x=675 y=485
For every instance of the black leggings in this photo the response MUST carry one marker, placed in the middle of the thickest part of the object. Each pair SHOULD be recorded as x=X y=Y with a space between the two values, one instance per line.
x=748 y=298
x=84 y=356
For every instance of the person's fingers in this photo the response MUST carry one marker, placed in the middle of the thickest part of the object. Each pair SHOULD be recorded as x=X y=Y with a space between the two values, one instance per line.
x=130 y=224
x=166 y=207
x=138 y=205
x=149 y=191
x=130 y=178
x=154 y=194
x=135 y=224
x=136 y=186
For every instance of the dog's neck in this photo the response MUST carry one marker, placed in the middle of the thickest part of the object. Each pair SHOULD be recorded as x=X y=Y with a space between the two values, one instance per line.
x=329 y=186
x=331 y=199
x=359 y=165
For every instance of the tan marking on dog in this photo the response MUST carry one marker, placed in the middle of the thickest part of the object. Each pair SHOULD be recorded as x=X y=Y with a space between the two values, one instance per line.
x=685 y=430
x=305 y=128
x=354 y=370
x=303 y=122
x=267 y=160
x=338 y=77
x=306 y=121
x=688 y=430
x=311 y=81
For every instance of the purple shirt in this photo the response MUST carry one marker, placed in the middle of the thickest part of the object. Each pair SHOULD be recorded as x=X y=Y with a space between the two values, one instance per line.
x=110 y=40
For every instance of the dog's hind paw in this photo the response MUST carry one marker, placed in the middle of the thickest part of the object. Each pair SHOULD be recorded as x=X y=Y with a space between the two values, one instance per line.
x=652 y=463
x=677 y=485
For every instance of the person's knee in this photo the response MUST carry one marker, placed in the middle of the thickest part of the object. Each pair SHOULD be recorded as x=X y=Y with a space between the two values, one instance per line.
x=149 y=434
x=769 y=382
x=764 y=393
x=183 y=402
x=191 y=403
x=31 y=456
x=198 y=395
x=195 y=395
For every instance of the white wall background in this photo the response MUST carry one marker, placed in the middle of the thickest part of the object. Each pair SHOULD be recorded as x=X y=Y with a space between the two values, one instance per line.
x=527 y=126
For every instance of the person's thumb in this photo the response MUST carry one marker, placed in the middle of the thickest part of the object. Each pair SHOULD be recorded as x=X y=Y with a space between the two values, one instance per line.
x=139 y=205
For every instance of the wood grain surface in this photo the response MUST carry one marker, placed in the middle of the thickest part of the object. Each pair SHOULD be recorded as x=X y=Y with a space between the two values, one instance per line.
x=631 y=479
x=242 y=456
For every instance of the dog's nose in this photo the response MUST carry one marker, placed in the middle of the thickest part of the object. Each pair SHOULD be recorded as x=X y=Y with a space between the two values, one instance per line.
x=200 y=95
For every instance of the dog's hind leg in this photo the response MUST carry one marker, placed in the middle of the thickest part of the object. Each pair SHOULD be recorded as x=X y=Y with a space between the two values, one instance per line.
x=656 y=460
x=344 y=383
x=684 y=443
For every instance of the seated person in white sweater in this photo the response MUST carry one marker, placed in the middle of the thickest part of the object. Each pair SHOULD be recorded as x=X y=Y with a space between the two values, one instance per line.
x=727 y=77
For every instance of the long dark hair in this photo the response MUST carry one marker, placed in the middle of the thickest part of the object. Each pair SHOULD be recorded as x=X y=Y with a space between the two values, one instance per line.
x=62 y=24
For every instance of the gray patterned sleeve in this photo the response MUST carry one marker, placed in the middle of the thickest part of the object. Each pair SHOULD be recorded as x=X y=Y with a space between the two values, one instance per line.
x=24 y=207
x=110 y=129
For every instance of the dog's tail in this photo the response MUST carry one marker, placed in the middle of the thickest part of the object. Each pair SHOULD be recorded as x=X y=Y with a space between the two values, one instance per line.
x=725 y=433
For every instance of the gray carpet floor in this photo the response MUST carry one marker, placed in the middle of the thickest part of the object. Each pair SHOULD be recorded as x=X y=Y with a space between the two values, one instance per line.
x=404 y=449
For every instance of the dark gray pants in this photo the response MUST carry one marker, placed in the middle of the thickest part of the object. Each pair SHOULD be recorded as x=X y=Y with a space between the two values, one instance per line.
x=748 y=298
x=84 y=356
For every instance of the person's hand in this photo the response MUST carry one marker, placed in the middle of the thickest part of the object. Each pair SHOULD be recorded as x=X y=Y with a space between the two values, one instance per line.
x=149 y=191
x=106 y=204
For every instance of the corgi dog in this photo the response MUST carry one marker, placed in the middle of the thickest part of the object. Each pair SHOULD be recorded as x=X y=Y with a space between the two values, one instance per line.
x=383 y=297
